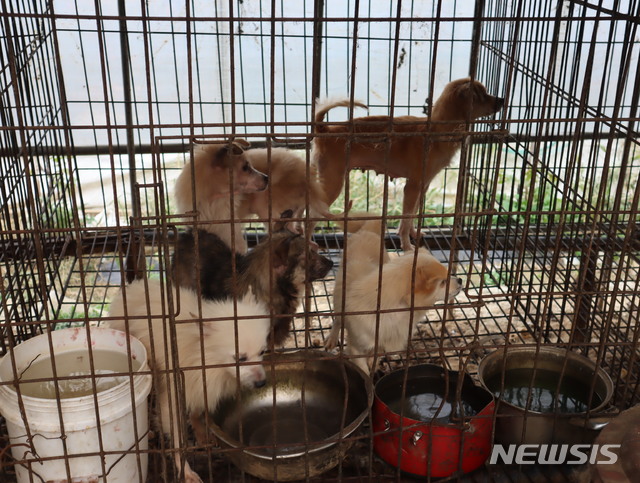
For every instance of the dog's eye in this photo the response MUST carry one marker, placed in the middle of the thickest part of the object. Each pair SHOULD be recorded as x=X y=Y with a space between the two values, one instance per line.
x=443 y=283
x=262 y=352
x=246 y=168
x=242 y=358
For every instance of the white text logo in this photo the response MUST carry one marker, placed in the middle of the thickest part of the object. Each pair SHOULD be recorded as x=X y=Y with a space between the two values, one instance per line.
x=554 y=454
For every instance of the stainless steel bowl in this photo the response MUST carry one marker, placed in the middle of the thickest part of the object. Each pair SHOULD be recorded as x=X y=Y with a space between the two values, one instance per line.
x=295 y=426
x=522 y=424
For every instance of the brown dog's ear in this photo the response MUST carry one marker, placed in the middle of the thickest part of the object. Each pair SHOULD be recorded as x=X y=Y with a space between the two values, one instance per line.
x=233 y=148
x=472 y=91
x=479 y=91
x=465 y=90
x=239 y=145
x=221 y=158
x=423 y=274
x=280 y=255
x=425 y=282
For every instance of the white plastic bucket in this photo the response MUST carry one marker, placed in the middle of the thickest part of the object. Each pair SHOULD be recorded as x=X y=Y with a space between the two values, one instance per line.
x=117 y=430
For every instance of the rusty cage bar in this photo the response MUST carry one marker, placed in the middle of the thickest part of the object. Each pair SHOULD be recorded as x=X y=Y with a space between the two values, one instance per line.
x=104 y=103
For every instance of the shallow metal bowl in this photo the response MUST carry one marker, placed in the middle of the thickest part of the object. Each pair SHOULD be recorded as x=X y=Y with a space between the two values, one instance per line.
x=295 y=426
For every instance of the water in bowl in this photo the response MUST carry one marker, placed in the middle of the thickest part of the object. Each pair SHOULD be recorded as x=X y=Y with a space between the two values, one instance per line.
x=287 y=428
x=75 y=364
x=423 y=401
x=546 y=395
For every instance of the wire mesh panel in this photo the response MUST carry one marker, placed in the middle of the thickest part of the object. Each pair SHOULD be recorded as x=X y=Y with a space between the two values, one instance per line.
x=564 y=185
x=167 y=171
x=38 y=187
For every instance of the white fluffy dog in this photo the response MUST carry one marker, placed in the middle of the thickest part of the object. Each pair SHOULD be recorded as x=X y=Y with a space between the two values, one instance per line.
x=200 y=341
x=360 y=294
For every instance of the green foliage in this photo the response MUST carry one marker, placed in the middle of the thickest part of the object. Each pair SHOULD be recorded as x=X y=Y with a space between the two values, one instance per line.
x=76 y=312
x=496 y=278
x=573 y=195
x=367 y=193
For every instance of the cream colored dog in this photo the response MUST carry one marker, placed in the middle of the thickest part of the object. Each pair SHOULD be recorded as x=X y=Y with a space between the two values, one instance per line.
x=217 y=171
x=360 y=294
x=200 y=341
x=220 y=166
x=289 y=186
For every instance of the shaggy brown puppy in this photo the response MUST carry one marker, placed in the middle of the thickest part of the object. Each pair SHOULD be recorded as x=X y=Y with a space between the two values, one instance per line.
x=276 y=271
x=398 y=146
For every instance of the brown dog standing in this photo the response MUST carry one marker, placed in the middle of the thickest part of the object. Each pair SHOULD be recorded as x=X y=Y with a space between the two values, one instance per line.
x=397 y=146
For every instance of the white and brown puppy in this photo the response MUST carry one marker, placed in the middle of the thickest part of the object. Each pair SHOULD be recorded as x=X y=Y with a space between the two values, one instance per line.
x=276 y=270
x=431 y=283
x=217 y=171
x=415 y=148
x=208 y=340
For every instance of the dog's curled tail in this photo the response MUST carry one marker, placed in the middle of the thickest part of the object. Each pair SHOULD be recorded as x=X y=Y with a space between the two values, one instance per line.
x=324 y=106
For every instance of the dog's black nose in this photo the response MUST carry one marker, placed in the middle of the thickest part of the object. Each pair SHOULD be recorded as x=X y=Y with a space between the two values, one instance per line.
x=258 y=384
x=459 y=280
x=319 y=269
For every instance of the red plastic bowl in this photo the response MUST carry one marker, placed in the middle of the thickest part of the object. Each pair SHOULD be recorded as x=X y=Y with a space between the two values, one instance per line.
x=427 y=439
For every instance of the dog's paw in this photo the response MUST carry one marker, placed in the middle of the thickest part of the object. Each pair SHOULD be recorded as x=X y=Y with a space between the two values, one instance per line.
x=330 y=344
x=407 y=246
x=405 y=240
x=191 y=476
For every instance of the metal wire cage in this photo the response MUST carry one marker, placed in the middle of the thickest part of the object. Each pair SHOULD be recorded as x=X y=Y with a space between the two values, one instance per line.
x=101 y=103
